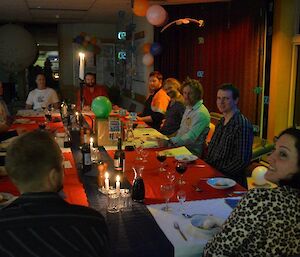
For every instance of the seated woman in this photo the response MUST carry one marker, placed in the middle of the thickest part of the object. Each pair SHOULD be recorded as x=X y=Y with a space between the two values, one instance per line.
x=266 y=221
x=157 y=102
x=176 y=108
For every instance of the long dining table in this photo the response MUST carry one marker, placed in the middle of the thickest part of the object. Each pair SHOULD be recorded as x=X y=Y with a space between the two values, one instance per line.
x=143 y=229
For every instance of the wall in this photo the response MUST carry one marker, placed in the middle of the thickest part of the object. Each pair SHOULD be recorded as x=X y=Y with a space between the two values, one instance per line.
x=66 y=34
x=283 y=32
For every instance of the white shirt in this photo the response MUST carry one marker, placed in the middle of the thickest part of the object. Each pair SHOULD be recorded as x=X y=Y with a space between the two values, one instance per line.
x=39 y=98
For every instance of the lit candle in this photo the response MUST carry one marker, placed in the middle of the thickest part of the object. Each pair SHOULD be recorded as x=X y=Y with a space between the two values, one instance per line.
x=81 y=66
x=118 y=184
x=77 y=117
x=106 y=182
x=91 y=143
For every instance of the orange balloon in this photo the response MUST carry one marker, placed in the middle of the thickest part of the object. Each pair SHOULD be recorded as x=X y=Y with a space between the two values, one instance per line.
x=140 y=7
x=146 y=48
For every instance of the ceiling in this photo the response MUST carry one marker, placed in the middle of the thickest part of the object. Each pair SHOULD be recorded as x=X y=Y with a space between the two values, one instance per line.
x=72 y=11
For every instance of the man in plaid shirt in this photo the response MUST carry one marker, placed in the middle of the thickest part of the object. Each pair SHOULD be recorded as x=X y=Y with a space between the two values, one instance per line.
x=230 y=148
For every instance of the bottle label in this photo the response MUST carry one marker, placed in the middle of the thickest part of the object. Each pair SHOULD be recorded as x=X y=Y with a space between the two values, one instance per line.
x=118 y=164
x=87 y=159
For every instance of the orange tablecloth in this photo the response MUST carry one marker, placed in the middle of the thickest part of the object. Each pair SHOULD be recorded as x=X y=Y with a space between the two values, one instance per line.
x=73 y=188
x=193 y=176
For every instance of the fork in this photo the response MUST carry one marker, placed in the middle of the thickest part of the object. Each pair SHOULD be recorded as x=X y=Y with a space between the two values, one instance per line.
x=197 y=188
x=176 y=226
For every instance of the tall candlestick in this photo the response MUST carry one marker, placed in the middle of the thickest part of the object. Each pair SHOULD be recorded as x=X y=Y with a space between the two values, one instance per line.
x=81 y=66
x=118 y=184
x=106 y=182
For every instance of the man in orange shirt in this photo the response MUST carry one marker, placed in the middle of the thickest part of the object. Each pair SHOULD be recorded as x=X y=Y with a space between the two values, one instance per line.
x=90 y=91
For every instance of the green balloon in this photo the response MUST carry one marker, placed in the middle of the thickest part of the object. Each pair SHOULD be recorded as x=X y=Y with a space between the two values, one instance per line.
x=101 y=106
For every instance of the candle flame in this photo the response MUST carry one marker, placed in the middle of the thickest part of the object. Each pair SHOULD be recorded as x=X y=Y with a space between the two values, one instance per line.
x=81 y=55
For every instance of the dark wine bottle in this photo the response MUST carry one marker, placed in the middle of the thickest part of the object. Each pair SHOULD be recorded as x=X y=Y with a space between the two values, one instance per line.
x=138 y=190
x=119 y=157
x=86 y=157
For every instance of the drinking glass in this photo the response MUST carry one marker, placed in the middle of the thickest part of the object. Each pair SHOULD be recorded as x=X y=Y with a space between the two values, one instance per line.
x=170 y=176
x=167 y=191
x=181 y=197
x=161 y=156
x=144 y=154
x=139 y=149
x=181 y=168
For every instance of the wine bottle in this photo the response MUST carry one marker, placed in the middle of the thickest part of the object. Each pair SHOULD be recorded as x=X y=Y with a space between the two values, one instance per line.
x=119 y=157
x=86 y=157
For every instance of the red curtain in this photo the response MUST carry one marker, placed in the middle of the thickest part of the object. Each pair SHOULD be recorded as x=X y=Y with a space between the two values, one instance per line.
x=228 y=49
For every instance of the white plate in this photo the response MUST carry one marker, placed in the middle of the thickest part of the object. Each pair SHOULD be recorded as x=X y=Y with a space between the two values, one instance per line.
x=186 y=157
x=197 y=223
x=221 y=183
x=7 y=198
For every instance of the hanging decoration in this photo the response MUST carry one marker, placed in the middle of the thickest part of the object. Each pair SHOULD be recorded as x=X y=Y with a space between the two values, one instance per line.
x=156 y=15
x=183 y=21
x=148 y=59
x=88 y=43
x=140 y=7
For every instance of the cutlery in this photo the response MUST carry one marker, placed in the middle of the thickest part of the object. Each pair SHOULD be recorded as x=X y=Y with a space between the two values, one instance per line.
x=197 y=189
x=188 y=216
x=198 y=165
x=176 y=226
x=235 y=193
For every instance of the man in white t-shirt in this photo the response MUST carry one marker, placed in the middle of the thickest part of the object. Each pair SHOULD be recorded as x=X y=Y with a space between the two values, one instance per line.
x=42 y=96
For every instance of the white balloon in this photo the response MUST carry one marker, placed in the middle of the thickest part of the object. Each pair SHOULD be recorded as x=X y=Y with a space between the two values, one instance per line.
x=258 y=175
x=148 y=59
x=156 y=15
x=18 y=48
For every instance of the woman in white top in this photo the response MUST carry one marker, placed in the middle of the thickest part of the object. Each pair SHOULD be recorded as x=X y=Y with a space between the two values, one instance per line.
x=42 y=96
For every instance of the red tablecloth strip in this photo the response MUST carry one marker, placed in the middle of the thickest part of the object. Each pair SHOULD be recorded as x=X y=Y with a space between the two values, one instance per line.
x=193 y=176
x=52 y=126
x=73 y=188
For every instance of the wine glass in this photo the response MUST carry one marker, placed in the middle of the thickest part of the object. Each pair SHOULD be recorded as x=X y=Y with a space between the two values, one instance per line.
x=161 y=156
x=139 y=149
x=144 y=154
x=167 y=191
x=181 y=168
x=170 y=176
x=181 y=197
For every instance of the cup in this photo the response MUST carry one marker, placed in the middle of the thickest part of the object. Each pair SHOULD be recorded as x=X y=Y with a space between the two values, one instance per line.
x=125 y=200
x=113 y=201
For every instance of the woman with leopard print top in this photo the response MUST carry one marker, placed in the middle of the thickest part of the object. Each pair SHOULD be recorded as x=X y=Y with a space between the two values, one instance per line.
x=267 y=221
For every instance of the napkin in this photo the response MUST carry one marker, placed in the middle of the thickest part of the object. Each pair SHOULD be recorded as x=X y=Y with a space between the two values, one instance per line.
x=67 y=165
x=182 y=150
x=232 y=202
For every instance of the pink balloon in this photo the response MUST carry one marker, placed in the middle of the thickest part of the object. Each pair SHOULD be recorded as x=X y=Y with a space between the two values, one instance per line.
x=148 y=59
x=156 y=15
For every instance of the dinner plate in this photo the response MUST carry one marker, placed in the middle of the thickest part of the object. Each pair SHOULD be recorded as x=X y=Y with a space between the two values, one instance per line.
x=186 y=157
x=197 y=222
x=221 y=183
x=6 y=198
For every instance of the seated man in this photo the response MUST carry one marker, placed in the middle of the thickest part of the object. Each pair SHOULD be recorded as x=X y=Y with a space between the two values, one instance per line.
x=40 y=222
x=156 y=103
x=42 y=96
x=90 y=91
x=194 y=125
x=230 y=148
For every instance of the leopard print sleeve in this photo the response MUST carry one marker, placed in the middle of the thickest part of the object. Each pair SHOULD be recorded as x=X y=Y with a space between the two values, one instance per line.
x=259 y=226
